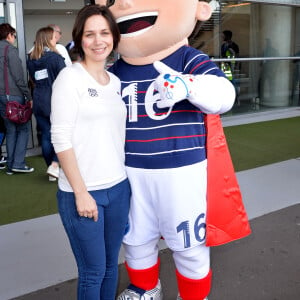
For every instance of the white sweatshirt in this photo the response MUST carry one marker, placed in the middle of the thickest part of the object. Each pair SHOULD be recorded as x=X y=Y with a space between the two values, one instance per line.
x=91 y=119
x=62 y=50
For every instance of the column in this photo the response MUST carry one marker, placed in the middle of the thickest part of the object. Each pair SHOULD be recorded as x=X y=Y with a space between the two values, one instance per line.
x=275 y=38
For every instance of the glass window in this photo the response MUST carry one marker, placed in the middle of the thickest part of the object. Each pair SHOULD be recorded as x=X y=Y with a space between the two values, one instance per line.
x=256 y=43
x=2 y=17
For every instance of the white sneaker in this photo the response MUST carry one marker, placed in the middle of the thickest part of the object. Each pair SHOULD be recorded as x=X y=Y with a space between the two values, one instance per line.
x=3 y=159
x=25 y=169
x=134 y=293
x=53 y=171
x=51 y=178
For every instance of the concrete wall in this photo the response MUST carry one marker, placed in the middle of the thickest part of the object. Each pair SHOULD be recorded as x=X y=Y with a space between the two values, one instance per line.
x=40 y=13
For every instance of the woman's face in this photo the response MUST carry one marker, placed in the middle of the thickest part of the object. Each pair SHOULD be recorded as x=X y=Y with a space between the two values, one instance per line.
x=97 y=39
x=11 y=38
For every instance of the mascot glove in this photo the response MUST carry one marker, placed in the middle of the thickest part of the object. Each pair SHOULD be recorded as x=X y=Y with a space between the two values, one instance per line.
x=210 y=93
x=171 y=85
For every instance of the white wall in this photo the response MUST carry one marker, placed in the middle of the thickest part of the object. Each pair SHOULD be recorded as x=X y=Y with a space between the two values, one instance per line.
x=46 y=4
x=34 y=22
x=40 y=13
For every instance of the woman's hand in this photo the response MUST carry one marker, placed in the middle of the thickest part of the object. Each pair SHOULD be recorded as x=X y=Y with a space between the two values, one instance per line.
x=31 y=103
x=86 y=205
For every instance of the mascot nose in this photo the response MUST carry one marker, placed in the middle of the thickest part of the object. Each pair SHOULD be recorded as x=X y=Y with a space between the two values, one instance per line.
x=125 y=4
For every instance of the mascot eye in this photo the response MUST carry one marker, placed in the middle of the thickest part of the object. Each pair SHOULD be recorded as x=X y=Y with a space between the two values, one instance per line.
x=110 y=3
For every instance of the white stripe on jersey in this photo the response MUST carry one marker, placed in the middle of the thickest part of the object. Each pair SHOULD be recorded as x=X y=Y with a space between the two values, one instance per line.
x=167 y=125
x=208 y=70
x=135 y=81
x=195 y=57
x=164 y=152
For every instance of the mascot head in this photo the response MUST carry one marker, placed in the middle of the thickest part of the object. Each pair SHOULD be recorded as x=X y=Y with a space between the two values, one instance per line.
x=153 y=29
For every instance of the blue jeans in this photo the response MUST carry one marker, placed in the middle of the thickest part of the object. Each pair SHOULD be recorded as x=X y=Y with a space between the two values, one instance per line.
x=96 y=245
x=47 y=147
x=16 y=136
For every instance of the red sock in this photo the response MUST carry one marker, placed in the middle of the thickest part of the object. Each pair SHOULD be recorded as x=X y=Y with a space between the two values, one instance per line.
x=145 y=279
x=193 y=289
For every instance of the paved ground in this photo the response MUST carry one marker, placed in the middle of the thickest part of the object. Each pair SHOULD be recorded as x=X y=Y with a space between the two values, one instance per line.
x=37 y=264
x=263 y=266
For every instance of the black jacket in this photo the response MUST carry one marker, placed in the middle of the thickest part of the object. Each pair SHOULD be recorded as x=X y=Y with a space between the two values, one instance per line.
x=43 y=72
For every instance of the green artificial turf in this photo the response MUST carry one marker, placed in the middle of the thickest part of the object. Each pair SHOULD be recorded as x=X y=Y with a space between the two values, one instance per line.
x=263 y=143
x=27 y=196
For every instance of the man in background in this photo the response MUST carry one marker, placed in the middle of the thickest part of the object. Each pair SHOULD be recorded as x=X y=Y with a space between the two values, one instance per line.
x=229 y=48
x=60 y=48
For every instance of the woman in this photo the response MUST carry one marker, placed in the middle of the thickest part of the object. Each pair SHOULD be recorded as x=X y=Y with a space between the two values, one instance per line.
x=88 y=133
x=16 y=134
x=44 y=65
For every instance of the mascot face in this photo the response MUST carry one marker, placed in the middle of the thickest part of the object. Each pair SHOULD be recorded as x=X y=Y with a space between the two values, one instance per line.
x=150 y=27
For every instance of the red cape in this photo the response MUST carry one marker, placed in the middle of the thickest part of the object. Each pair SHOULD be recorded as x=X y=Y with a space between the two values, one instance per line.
x=226 y=218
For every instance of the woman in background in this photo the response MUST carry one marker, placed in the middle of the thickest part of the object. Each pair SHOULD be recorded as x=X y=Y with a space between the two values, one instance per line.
x=44 y=65
x=16 y=134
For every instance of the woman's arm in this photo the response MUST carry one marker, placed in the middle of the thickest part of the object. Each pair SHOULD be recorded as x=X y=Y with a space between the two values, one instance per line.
x=16 y=71
x=85 y=203
x=64 y=111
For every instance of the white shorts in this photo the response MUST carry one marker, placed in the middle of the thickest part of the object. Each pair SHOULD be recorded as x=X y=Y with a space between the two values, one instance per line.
x=170 y=203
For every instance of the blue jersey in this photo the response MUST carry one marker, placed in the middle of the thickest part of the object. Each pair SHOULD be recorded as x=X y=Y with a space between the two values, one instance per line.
x=163 y=138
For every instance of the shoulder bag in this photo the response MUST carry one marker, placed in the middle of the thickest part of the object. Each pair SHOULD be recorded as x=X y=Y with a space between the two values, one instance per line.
x=15 y=112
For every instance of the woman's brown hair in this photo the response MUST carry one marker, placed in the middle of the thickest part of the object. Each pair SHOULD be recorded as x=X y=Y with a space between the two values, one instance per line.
x=5 y=30
x=87 y=12
x=42 y=40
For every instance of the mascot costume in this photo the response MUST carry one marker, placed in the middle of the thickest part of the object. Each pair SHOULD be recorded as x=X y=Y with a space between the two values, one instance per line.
x=183 y=184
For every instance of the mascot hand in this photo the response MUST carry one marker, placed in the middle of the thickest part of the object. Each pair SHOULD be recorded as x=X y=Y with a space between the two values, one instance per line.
x=210 y=93
x=171 y=85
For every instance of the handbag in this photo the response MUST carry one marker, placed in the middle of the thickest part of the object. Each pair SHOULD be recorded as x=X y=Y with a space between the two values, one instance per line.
x=18 y=113
x=15 y=112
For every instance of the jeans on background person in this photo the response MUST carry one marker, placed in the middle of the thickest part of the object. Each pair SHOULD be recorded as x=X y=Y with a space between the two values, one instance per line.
x=96 y=245
x=17 y=136
x=2 y=138
x=44 y=126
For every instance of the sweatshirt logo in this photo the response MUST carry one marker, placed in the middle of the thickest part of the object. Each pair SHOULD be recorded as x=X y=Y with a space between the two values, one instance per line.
x=93 y=93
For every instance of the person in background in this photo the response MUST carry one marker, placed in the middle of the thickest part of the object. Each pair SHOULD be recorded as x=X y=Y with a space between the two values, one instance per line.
x=2 y=138
x=61 y=49
x=296 y=80
x=229 y=48
x=16 y=134
x=88 y=120
x=43 y=65
x=74 y=55
x=70 y=45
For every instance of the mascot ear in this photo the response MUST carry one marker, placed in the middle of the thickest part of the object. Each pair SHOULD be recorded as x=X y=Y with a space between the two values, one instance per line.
x=204 y=11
